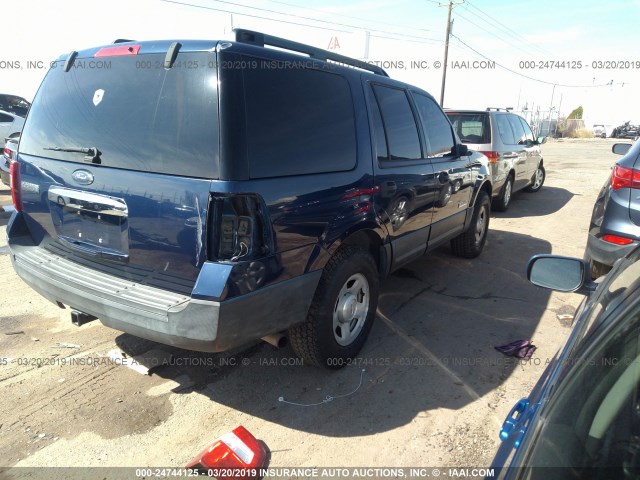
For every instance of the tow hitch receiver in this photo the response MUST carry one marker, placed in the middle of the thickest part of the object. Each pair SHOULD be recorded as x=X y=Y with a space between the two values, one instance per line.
x=80 y=318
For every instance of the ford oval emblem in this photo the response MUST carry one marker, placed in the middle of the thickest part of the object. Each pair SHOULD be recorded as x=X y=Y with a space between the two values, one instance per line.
x=83 y=177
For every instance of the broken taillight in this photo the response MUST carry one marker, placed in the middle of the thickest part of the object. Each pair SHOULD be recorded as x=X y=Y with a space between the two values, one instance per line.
x=236 y=455
x=237 y=228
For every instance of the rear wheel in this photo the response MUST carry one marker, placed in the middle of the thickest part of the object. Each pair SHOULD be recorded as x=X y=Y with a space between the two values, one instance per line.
x=470 y=243
x=538 y=180
x=342 y=311
x=502 y=201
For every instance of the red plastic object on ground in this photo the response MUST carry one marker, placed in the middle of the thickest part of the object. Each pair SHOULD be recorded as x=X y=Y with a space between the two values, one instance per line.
x=236 y=455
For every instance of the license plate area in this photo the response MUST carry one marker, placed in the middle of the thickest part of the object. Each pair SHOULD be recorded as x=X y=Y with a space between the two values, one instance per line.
x=91 y=223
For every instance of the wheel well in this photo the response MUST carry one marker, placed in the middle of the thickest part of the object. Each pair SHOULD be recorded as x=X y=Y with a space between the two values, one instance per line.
x=369 y=241
x=486 y=187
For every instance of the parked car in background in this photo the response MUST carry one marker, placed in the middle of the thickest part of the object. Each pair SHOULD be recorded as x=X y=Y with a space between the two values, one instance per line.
x=14 y=104
x=582 y=419
x=10 y=125
x=614 y=229
x=600 y=131
x=8 y=156
x=513 y=151
x=302 y=182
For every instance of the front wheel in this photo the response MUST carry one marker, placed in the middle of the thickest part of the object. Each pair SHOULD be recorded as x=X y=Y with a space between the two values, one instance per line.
x=470 y=243
x=538 y=180
x=342 y=311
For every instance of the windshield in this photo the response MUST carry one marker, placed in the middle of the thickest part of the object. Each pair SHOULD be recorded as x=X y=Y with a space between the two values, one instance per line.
x=139 y=115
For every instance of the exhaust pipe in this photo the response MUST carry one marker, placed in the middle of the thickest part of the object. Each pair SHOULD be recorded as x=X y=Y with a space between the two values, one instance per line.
x=278 y=340
x=80 y=318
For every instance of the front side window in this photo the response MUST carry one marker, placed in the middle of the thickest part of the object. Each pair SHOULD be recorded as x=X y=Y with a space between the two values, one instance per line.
x=4 y=118
x=518 y=129
x=527 y=130
x=435 y=126
x=399 y=123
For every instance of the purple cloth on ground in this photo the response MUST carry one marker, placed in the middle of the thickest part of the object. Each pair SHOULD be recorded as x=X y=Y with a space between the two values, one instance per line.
x=520 y=348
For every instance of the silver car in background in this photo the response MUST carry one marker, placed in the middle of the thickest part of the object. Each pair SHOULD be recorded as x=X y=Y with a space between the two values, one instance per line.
x=507 y=140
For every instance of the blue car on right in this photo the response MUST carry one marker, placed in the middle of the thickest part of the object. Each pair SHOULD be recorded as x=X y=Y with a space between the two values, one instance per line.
x=582 y=419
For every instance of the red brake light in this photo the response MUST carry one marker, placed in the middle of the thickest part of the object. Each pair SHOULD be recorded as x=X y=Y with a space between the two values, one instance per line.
x=492 y=156
x=16 y=190
x=118 y=51
x=625 y=178
x=617 y=239
x=237 y=451
x=7 y=153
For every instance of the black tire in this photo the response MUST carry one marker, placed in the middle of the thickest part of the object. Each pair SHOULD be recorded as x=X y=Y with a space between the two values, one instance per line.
x=538 y=180
x=598 y=269
x=503 y=200
x=316 y=340
x=470 y=243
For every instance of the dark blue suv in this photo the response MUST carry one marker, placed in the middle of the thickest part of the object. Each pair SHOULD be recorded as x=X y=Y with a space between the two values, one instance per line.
x=206 y=194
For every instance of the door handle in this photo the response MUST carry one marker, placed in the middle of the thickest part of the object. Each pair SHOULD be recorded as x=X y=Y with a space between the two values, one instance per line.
x=513 y=418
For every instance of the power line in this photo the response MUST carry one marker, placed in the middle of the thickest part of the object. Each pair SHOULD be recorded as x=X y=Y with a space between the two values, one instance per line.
x=522 y=40
x=526 y=76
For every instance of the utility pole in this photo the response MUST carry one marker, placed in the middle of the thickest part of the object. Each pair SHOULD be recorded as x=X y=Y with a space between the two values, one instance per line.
x=446 y=49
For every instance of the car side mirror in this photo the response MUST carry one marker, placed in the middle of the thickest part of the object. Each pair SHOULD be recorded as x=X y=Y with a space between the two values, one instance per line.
x=563 y=274
x=620 y=148
x=541 y=140
x=462 y=149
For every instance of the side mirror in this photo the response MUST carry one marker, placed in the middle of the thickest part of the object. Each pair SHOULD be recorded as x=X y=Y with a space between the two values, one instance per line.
x=563 y=274
x=542 y=140
x=463 y=150
x=620 y=148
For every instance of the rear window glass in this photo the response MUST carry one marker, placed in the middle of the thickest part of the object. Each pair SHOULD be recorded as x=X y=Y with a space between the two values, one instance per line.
x=138 y=114
x=299 y=121
x=471 y=127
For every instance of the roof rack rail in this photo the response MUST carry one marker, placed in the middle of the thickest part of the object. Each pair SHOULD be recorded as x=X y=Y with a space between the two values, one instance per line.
x=122 y=40
x=499 y=109
x=261 y=39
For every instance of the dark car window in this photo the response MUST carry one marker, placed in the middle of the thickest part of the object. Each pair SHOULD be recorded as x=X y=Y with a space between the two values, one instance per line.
x=399 y=123
x=380 y=138
x=435 y=126
x=527 y=130
x=14 y=104
x=471 y=127
x=138 y=114
x=504 y=130
x=299 y=121
x=518 y=129
x=4 y=118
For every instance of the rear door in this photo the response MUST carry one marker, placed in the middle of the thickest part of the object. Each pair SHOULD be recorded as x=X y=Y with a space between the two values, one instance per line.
x=405 y=185
x=519 y=150
x=117 y=157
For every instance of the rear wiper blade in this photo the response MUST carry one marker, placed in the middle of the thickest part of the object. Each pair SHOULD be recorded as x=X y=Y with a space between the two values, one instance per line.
x=92 y=154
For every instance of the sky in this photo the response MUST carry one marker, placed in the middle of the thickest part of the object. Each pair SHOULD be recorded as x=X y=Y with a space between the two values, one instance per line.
x=543 y=56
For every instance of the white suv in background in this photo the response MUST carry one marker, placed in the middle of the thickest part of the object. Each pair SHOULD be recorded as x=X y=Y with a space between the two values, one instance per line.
x=507 y=140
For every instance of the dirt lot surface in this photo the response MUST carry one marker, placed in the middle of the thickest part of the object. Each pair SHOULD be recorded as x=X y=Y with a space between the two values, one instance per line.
x=428 y=389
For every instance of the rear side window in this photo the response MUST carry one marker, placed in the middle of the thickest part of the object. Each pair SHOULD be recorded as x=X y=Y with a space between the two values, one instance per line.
x=527 y=130
x=471 y=127
x=138 y=114
x=299 y=121
x=436 y=127
x=399 y=124
x=4 y=118
x=518 y=129
x=504 y=130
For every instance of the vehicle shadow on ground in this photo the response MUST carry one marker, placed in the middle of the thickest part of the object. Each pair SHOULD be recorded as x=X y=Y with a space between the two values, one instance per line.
x=546 y=201
x=432 y=347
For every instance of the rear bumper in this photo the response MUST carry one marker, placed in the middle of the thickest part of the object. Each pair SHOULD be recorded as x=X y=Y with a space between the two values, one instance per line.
x=160 y=315
x=605 y=252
